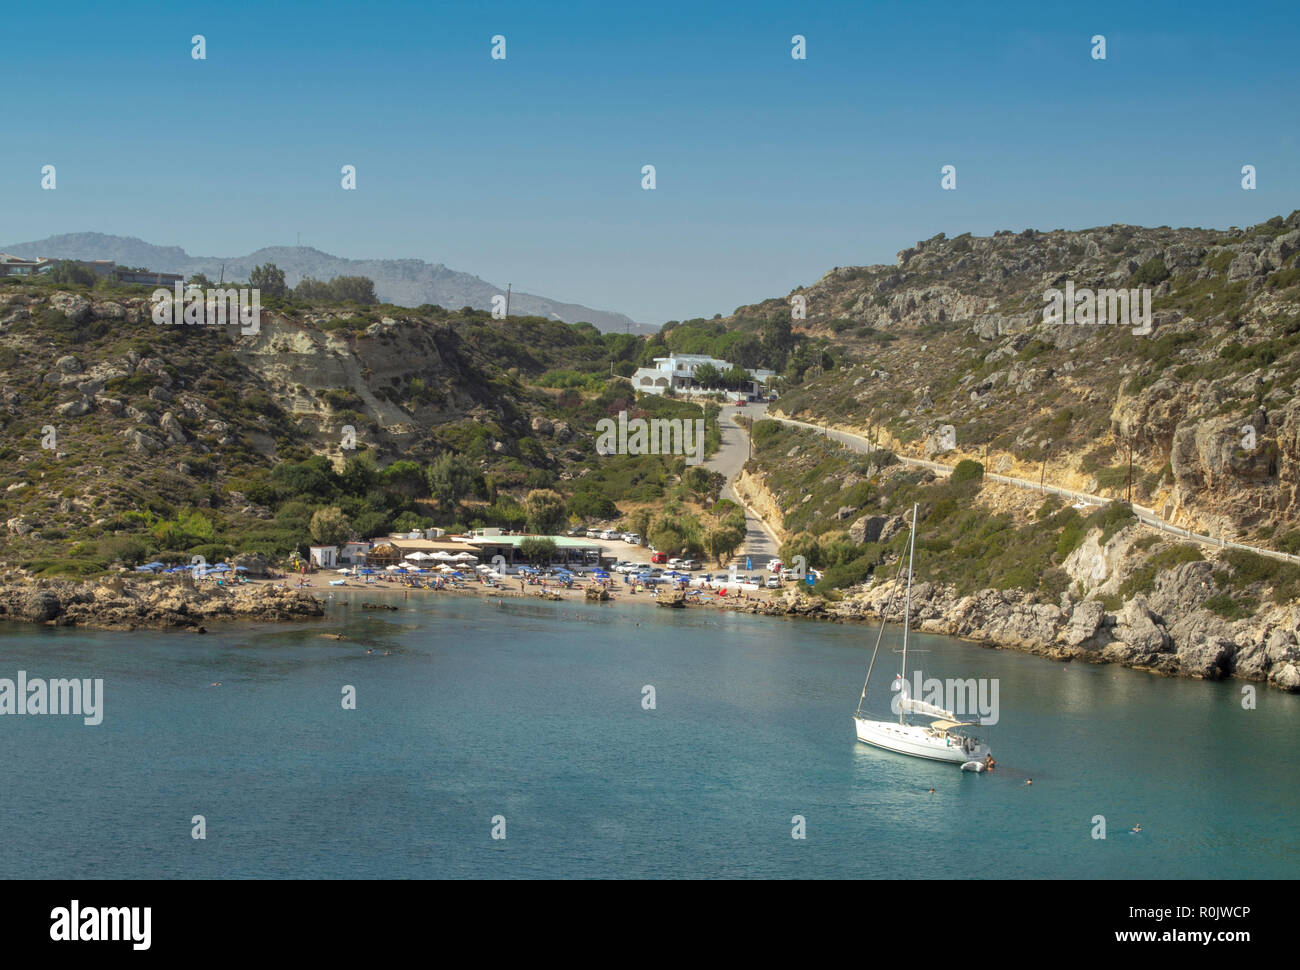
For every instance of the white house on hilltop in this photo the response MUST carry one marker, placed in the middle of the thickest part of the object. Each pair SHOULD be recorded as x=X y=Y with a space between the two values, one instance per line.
x=678 y=372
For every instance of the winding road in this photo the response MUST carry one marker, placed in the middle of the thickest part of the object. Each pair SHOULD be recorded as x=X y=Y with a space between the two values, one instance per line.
x=1146 y=516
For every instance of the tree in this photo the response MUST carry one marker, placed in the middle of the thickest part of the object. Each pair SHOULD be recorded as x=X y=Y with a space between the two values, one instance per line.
x=199 y=279
x=537 y=549
x=545 y=511
x=67 y=271
x=359 y=289
x=330 y=527
x=310 y=288
x=269 y=279
x=405 y=478
x=360 y=474
x=736 y=378
x=452 y=478
x=708 y=376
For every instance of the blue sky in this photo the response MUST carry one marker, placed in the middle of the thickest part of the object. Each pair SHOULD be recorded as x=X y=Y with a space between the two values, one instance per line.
x=770 y=171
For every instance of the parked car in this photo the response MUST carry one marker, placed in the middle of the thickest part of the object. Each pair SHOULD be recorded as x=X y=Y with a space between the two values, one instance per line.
x=659 y=557
x=689 y=564
x=774 y=565
x=593 y=533
x=773 y=582
x=627 y=566
x=607 y=534
x=632 y=538
x=676 y=562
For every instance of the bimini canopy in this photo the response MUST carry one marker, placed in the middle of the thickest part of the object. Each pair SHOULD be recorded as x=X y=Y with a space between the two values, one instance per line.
x=949 y=725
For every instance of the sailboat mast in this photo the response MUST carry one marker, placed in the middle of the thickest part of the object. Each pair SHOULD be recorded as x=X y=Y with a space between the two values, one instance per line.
x=907 y=609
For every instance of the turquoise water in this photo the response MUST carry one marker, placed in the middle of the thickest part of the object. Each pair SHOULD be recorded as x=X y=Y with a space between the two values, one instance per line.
x=533 y=711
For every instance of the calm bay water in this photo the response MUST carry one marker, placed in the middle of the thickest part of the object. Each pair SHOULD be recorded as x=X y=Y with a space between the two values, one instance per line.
x=532 y=711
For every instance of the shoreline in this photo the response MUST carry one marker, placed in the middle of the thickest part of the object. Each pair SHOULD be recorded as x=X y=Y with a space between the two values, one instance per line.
x=991 y=619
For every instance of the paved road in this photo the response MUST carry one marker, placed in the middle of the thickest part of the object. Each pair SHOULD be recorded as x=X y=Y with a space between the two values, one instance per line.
x=760 y=543
x=1146 y=516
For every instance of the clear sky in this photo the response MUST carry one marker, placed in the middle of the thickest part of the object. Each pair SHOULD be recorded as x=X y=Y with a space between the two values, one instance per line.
x=770 y=170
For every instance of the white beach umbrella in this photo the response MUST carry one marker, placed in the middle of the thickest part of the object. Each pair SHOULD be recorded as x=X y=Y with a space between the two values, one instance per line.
x=464 y=557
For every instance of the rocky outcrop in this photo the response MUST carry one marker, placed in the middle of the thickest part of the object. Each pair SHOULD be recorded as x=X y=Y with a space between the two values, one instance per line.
x=876 y=528
x=152 y=604
x=1199 y=645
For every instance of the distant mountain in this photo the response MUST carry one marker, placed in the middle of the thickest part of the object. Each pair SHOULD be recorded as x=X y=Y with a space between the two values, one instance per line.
x=403 y=282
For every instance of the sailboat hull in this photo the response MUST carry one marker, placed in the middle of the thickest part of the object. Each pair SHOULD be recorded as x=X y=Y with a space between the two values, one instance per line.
x=919 y=742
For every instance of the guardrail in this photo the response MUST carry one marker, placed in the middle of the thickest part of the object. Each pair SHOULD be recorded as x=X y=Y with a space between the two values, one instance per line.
x=1144 y=515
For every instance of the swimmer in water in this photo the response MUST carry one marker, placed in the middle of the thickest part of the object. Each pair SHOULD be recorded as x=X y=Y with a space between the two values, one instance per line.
x=931 y=791
x=1138 y=827
x=369 y=651
x=1029 y=781
x=215 y=683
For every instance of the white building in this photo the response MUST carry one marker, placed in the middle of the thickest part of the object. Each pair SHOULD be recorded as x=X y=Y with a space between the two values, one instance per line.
x=678 y=372
x=353 y=553
x=326 y=557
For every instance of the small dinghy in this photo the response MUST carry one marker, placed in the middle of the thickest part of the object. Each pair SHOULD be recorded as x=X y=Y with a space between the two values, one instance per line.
x=973 y=766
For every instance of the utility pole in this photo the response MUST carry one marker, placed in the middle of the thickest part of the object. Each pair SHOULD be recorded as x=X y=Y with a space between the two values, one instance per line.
x=508 y=299
x=1130 y=471
x=1042 y=475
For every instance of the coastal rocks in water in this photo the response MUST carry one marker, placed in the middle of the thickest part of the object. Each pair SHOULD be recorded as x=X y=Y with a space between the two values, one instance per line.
x=146 y=603
x=1140 y=637
x=37 y=607
x=1086 y=621
x=1210 y=659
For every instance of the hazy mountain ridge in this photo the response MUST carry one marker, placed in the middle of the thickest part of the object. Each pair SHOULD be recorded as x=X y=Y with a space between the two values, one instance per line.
x=402 y=282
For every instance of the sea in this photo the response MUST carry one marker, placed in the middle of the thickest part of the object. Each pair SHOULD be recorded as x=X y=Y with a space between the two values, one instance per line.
x=463 y=737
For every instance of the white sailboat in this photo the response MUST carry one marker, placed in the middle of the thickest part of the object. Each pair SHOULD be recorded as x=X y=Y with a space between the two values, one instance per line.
x=945 y=737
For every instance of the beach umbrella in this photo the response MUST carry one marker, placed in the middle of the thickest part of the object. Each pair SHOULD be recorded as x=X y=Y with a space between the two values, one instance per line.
x=343 y=570
x=443 y=556
x=221 y=567
x=417 y=556
x=367 y=572
x=464 y=557
x=392 y=569
x=241 y=569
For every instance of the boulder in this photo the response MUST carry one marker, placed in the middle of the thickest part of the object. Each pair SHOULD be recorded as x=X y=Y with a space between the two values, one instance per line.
x=74 y=306
x=1086 y=619
x=108 y=311
x=73 y=409
x=172 y=428
x=256 y=564
x=876 y=528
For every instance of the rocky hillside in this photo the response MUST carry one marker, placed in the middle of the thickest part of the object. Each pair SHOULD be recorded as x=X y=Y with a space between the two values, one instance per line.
x=124 y=441
x=953 y=337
